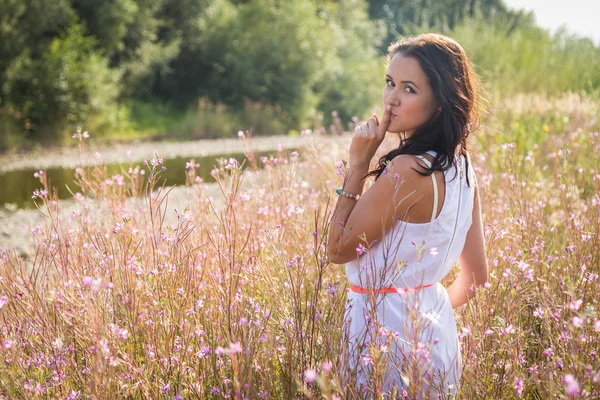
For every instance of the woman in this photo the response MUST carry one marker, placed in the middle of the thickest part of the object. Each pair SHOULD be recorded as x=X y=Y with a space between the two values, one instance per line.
x=420 y=216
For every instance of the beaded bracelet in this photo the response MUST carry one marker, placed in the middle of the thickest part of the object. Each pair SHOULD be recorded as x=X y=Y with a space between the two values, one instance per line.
x=341 y=192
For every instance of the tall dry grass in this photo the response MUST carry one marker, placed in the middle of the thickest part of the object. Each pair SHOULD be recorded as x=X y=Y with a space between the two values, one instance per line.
x=237 y=298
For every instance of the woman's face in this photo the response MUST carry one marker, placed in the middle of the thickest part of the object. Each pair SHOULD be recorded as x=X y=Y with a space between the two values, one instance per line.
x=408 y=92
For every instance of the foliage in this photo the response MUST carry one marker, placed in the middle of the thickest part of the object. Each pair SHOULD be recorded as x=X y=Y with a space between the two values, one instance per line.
x=268 y=52
x=402 y=16
x=135 y=36
x=64 y=87
x=355 y=80
x=307 y=62
x=27 y=29
x=530 y=59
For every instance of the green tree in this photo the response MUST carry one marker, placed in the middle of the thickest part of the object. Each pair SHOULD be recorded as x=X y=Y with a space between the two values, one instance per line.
x=62 y=87
x=131 y=33
x=403 y=17
x=51 y=76
x=265 y=51
x=529 y=59
x=355 y=81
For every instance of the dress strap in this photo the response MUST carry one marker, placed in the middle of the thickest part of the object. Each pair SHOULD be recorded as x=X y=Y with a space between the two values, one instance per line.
x=435 y=189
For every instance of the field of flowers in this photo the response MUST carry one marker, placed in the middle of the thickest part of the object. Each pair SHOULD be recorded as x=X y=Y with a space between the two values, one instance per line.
x=237 y=298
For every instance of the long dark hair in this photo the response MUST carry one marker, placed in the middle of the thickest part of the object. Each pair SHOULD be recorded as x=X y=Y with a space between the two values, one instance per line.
x=456 y=89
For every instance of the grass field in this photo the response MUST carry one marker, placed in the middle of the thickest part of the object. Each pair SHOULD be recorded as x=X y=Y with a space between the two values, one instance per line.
x=239 y=300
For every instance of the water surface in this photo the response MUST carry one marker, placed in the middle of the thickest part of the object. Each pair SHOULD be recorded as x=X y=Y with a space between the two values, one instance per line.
x=16 y=187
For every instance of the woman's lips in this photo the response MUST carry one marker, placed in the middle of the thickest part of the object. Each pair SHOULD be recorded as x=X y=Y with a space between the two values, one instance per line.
x=392 y=116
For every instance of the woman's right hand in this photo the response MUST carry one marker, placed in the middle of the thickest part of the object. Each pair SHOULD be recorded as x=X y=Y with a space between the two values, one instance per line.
x=368 y=137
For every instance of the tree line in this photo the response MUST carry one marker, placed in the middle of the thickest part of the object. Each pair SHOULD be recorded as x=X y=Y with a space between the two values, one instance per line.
x=67 y=63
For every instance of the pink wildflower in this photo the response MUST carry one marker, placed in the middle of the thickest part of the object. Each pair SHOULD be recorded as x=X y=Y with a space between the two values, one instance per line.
x=577 y=322
x=510 y=329
x=74 y=395
x=518 y=387
x=548 y=352
x=231 y=163
x=158 y=160
x=571 y=385
x=575 y=304
x=360 y=250
x=310 y=375
x=41 y=193
x=235 y=347
x=165 y=388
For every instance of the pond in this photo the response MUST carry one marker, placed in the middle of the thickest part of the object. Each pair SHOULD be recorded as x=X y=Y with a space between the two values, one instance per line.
x=17 y=186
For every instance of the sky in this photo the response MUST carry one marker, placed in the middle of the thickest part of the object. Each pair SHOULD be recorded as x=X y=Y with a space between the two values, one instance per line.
x=581 y=17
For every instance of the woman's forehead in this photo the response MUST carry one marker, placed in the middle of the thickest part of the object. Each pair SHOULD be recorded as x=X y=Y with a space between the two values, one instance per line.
x=403 y=68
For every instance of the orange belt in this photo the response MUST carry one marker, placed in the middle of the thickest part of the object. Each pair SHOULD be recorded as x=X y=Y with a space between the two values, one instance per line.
x=358 y=289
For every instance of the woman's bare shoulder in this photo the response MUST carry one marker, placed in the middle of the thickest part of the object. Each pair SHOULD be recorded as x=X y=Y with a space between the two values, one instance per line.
x=407 y=165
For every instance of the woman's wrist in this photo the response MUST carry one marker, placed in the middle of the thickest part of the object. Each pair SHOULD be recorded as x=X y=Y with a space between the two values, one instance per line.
x=353 y=181
x=360 y=165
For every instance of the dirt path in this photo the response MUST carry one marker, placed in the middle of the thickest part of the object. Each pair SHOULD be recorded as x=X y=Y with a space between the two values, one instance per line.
x=16 y=226
x=70 y=158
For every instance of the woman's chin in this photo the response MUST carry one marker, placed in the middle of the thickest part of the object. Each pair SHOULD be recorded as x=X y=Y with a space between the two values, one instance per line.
x=395 y=126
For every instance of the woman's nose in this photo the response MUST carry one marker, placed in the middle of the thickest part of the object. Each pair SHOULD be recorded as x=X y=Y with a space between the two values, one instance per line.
x=392 y=98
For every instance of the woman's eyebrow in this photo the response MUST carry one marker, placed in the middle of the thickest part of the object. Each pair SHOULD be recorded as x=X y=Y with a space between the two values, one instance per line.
x=390 y=78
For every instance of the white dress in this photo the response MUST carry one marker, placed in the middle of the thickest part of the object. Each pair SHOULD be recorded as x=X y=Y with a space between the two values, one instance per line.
x=413 y=331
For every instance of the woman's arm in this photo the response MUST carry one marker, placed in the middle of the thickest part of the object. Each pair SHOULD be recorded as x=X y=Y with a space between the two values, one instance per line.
x=472 y=261
x=388 y=199
x=353 y=183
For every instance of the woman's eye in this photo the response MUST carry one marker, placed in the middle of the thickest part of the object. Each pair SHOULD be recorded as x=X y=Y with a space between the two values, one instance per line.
x=389 y=82
x=409 y=89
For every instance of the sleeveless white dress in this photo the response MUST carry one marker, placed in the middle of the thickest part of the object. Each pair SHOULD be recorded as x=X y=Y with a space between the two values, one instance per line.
x=414 y=330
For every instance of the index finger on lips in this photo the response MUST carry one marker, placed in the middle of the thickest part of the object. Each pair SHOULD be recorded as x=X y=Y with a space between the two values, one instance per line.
x=385 y=120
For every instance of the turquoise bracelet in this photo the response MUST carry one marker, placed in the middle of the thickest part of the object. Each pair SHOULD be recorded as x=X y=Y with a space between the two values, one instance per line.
x=341 y=192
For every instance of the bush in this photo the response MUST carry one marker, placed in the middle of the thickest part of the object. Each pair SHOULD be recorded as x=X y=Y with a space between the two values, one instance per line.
x=356 y=80
x=64 y=87
x=529 y=59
